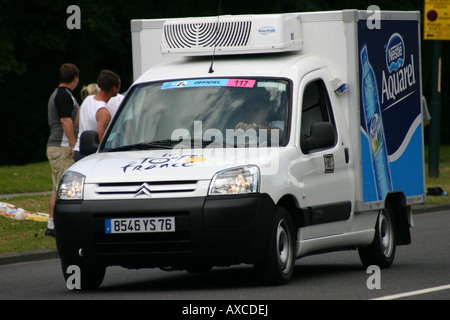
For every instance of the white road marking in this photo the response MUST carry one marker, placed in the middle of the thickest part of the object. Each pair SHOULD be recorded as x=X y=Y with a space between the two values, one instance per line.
x=414 y=293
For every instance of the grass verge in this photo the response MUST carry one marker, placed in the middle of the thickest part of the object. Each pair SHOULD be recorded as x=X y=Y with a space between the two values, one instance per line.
x=442 y=181
x=35 y=177
x=23 y=235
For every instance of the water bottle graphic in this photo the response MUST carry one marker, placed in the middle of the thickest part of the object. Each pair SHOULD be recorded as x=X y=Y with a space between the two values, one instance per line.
x=374 y=127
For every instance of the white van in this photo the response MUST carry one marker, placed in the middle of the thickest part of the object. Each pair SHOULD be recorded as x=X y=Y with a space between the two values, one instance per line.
x=255 y=139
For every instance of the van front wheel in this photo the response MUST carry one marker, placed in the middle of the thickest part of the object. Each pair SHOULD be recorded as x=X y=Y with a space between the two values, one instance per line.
x=277 y=266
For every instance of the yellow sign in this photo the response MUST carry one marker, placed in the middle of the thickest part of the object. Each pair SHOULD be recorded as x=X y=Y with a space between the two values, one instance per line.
x=437 y=20
x=195 y=159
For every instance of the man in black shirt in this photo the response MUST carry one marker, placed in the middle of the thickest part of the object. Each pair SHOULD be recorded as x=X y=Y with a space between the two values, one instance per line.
x=62 y=110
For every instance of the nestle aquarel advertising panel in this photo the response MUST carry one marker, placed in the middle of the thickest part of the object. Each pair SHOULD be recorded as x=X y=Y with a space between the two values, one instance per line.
x=390 y=100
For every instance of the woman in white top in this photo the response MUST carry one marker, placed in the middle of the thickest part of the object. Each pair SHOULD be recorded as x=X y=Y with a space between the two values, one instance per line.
x=93 y=113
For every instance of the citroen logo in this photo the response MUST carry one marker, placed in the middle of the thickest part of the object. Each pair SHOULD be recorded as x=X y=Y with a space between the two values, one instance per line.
x=144 y=189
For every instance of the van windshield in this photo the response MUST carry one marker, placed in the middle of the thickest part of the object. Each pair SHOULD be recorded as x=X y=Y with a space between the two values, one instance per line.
x=201 y=113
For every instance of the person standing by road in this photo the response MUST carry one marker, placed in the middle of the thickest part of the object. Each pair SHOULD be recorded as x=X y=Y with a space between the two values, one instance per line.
x=90 y=89
x=94 y=113
x=62 y=111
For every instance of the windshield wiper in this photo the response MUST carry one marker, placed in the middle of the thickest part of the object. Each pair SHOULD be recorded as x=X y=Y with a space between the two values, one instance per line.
x=158 y=144
x=211 y=143
x=170 y=144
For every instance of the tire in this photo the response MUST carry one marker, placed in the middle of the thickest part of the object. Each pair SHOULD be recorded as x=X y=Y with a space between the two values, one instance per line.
x=91 y=277
x=381 y=251
x=278 y=264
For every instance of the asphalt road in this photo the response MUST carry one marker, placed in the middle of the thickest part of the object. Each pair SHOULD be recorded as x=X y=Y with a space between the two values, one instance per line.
x=423 y=265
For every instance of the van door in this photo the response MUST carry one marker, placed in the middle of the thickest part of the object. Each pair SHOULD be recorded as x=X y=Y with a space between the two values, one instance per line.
x=325 y=159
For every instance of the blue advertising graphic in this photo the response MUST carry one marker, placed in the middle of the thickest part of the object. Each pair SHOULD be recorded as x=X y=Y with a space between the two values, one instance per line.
x=390 y=100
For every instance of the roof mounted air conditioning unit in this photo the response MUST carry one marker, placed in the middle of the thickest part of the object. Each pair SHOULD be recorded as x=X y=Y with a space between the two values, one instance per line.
x=225 y=35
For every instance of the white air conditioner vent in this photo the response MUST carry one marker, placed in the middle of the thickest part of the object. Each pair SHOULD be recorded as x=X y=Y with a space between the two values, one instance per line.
x=196 y=34
x=231 y=34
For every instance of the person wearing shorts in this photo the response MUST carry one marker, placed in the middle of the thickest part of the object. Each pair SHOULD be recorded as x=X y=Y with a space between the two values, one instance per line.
x=62 y=111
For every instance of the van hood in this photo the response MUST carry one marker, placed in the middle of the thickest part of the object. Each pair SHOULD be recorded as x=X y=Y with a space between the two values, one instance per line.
x=170 y=165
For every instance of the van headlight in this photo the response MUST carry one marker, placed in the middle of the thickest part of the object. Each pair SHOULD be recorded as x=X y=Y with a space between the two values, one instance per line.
x=241 y=180
x=71 y=186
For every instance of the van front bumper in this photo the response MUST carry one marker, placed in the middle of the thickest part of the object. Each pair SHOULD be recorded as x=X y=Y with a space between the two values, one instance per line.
x=219 y=230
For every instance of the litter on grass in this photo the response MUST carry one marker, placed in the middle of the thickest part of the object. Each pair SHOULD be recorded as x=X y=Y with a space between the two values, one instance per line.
x=11 y=211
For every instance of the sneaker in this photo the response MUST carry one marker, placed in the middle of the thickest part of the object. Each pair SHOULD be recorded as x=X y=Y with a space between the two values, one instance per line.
x=50 y=232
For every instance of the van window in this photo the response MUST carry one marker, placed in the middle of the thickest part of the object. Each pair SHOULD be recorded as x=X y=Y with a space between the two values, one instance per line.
x=316 y=107
x=202 y=112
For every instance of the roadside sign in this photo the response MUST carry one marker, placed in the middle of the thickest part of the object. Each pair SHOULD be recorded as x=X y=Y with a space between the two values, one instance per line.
x=437 y=20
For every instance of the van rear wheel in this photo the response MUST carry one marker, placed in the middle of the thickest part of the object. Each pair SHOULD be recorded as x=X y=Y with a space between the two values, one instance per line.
x=277 y=266
x=381 y=251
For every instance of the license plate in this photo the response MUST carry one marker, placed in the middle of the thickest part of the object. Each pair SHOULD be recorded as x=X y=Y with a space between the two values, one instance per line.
x=140 y=225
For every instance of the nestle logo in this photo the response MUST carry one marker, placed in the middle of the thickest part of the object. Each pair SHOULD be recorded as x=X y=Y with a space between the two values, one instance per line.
x=395 y=52
x=266 y=30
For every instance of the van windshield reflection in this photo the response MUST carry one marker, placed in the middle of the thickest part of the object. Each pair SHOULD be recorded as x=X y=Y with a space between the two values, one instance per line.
x=202 y=113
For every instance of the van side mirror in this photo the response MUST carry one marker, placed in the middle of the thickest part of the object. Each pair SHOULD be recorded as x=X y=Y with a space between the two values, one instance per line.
x=89 y=142
x=322 y=135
